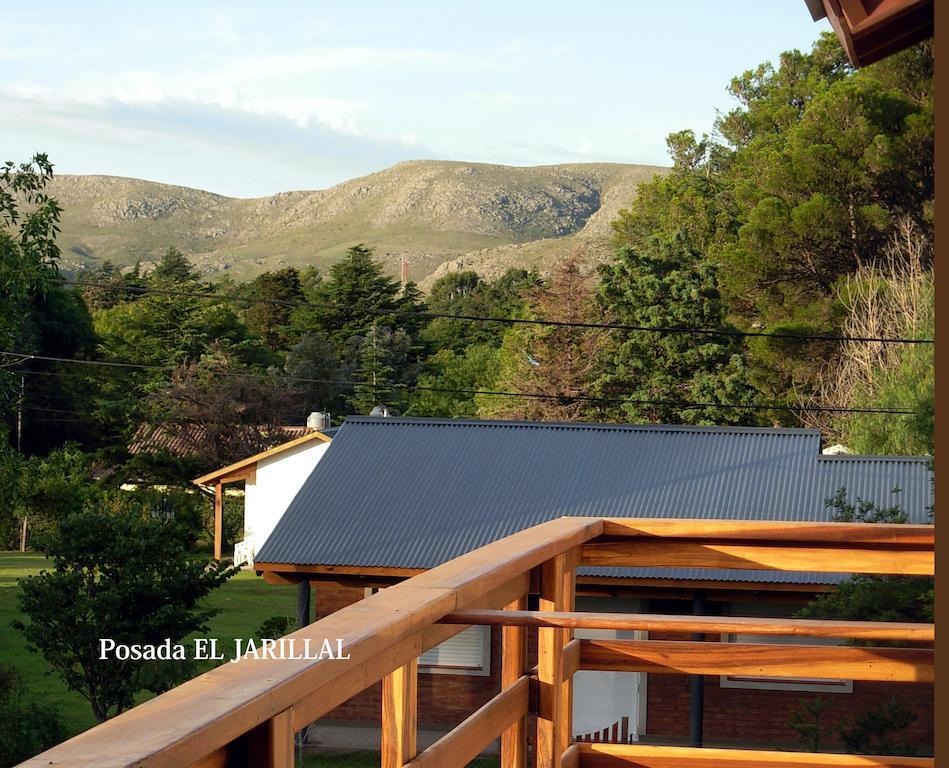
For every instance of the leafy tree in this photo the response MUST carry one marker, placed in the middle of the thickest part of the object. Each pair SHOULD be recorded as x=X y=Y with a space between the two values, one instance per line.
x=476 y=368
x=50 y=488
x=801 y=184
x=869 y=597
x=220 y=412
x=666 y=284
x=29 y=222
x=125 y=575
x=464 y=293
x=26 y=727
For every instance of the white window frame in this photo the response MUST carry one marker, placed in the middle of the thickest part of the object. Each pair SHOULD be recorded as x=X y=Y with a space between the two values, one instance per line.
x=483 y=669
x=809 y=684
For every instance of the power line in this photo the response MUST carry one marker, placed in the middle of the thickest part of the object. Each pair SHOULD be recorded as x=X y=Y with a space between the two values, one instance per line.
x=664 y=330
x=475 y=392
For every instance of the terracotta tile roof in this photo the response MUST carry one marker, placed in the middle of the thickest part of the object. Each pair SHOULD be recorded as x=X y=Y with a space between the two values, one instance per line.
x=153 y=439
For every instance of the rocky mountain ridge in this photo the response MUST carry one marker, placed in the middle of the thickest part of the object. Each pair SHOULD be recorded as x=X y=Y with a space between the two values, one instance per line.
x=439 y=215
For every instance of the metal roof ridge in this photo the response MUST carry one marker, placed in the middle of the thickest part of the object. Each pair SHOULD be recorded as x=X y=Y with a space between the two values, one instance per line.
x=892 y=457
x=578 y=425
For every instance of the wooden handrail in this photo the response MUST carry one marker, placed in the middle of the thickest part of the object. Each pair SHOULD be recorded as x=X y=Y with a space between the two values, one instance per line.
x=861 y=630
x=852 y=534
x=642 y=756
x=379 y=633
x=245 y=714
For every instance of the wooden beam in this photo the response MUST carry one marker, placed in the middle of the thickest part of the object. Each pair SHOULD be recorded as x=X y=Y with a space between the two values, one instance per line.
x=218 y=520
x=680 y=553
x=340 y=570
x=551 y=718
x=220 y=758
x=863 y=630
x=878 y=534
x=907 y=665
x=270 y=744
x=251 y=461
x=513 y=668
x=399 y=715
x=465 y=742
x=734 y=589
x=641 y=756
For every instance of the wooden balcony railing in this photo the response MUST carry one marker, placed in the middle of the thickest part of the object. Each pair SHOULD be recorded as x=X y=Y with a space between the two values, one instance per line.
x=246 y=714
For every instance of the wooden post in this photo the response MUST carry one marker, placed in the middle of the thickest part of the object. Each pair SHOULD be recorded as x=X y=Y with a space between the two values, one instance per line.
x=513 y=666
x=270 y=744
x=554 y=717
x=218 y=520
x=399 y=702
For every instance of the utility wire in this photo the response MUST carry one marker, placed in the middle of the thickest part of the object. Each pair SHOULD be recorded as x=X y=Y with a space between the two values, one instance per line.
x=141 y=290
x=487 y=393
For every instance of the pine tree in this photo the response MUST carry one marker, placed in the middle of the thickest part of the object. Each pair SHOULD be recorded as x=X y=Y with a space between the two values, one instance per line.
x=666 y=284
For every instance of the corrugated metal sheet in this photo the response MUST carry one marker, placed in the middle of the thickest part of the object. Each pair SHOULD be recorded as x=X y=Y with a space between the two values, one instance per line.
x=414 y=493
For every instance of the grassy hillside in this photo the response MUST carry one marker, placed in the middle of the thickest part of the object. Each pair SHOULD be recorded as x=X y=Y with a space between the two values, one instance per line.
x=440 y=215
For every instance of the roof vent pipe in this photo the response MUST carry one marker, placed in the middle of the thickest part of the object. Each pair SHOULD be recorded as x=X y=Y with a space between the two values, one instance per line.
x=383 y=410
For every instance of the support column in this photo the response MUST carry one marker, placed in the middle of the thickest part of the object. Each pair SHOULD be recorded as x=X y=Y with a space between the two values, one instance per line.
x=270 y=744
x=399 y=715
x=303 y=604
x=218 y=520
x=697 y=683
x=555 y=705
x=513 y=666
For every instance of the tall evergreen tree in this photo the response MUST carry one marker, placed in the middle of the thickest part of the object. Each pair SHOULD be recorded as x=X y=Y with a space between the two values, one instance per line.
x=666 y=284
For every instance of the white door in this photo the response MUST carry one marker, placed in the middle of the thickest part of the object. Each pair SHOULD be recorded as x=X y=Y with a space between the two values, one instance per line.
x=603 y=698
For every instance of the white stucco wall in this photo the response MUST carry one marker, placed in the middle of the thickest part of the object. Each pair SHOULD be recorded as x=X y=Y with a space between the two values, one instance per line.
x=275 y=483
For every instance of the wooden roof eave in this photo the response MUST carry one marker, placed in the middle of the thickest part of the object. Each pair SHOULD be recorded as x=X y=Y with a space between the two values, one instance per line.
x=241 y=470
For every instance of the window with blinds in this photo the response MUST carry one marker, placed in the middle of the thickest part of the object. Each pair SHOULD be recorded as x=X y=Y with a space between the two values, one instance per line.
x=467 y=653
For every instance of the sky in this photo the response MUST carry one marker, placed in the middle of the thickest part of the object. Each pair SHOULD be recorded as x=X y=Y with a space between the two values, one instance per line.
x=252 y=98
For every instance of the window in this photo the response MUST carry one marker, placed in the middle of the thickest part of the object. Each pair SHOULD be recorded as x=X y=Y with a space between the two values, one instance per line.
x=467 y=653
x=819 y=684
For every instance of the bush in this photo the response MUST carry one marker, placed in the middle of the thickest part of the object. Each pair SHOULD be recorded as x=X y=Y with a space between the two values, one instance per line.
x=26 y=727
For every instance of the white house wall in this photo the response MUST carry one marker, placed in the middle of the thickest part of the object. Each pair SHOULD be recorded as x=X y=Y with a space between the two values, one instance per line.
x=269 y=492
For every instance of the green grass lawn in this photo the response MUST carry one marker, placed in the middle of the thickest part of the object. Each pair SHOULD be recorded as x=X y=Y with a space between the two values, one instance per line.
x=244 y=602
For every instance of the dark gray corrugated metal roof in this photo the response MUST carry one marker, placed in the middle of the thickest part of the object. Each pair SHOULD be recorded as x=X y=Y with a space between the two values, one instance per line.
x=414 y=493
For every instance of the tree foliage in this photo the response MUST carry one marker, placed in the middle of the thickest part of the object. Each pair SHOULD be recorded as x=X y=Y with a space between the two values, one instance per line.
x=121 y=574
x=666 y=284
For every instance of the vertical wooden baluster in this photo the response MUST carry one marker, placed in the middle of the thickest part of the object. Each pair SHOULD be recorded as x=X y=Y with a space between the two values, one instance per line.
x=513 y=666
x=399 y=718
x=553 y=717
x=270 y=744
x=569 y=601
